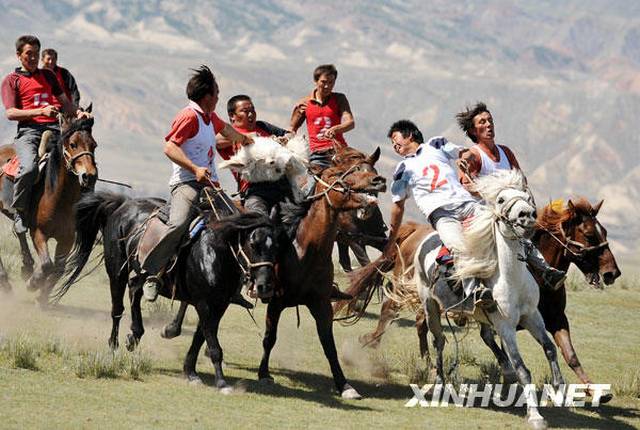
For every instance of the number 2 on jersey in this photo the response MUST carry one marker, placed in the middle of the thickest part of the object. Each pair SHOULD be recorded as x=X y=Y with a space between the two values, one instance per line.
x=436 y=173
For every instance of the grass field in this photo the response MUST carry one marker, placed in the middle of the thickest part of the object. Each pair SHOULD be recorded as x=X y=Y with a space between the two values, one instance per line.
x=56 y=372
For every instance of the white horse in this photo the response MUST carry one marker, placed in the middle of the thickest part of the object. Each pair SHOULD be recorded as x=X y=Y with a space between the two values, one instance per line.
x=493 y=251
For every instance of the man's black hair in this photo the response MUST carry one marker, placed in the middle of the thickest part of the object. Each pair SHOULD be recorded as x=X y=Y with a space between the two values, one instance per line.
x=201 y=84
x=407 y=129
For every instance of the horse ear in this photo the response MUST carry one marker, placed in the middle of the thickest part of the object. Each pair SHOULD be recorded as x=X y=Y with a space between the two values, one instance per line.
x=89 y=108
x=570 y=206
x=597 y=207
x=373 y=158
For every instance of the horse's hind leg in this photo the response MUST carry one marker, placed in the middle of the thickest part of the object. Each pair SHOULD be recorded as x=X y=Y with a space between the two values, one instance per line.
x=323 y=314
x=274 y=310
x=27 y=259
x=535 y=325
x=189 y=366
x=432 y=311
x=43 y=267
x=343 y=256
x=137 y=327
x=508 y=374
x=360 y=252
x=388 y=312
x=174 y=328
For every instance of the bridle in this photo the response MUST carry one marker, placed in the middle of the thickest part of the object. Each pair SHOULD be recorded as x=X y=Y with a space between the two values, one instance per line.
x=338 y=185
x=582 y=250
x=502 y=215
x=70 y=160
x=248 y=265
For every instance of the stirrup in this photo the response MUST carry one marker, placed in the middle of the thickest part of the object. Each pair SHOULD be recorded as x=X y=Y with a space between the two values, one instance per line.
x=483 y=299
x=151 y=287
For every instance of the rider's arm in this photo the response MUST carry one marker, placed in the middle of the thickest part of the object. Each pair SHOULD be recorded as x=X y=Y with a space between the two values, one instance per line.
x=298 y=116
x=347 y=123
x=397 y=212
x=231 y=134
x=400 y=190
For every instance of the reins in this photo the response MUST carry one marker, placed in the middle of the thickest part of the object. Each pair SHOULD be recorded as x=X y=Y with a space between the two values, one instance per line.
x=338 y=185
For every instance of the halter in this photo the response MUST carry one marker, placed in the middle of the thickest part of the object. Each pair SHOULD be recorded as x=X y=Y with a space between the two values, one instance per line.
x=70 y=161
x=583 y=250
x=502 y=215
x=344 y=188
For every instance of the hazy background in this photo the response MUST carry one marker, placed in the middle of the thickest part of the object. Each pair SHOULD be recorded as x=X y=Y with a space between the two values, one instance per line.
x=561 y=78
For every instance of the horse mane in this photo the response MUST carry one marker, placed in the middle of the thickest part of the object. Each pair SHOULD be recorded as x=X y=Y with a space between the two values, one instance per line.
x=479 y=257
x=230 y=226
x=55 y=148
x=551 y=220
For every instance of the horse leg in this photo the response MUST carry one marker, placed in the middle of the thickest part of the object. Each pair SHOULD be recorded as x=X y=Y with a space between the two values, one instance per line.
x=174 y=328
x=137 y=327
x=274 y=310
x=343 y=257
x=322 y=312
x=27 y=259
x=422 y=330
x=508 y=374
x=388 y=312
x=118 y=287
x=209 y=322
x=508 y=335
x=5 y=286
x=63 y=247
x=535 y=325
x=432 y=312
x=189 y=366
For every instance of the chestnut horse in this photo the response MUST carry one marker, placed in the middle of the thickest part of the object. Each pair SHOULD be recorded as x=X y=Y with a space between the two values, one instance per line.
x=571 y=234
x=305 y=269
x=70 y=169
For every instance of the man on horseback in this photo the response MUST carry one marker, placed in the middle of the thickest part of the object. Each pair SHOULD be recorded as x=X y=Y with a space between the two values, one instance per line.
x=260 y=196
x=486 y=157
x=190 y=145
x=32 y=97
x=427 y=174
x=65 y=78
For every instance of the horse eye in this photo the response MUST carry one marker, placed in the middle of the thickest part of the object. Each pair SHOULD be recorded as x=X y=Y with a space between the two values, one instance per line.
x=73 y=146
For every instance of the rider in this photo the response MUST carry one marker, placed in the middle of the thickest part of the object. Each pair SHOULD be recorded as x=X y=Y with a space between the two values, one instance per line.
x=261 y=196
x=328 y=117
x=486 y=157
x=426 y=173
x=65 y=78
x=190 y=146
x=32 y=97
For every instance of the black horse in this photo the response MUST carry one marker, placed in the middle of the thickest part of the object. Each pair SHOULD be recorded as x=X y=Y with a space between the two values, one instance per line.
x=208 y=271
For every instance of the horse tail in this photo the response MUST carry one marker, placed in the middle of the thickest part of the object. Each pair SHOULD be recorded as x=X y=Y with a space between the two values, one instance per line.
x=92 y=212
x=366 y=279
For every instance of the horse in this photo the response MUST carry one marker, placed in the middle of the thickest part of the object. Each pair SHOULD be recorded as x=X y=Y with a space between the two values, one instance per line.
x=493 y=243
x=70 y=169
x=208 y=271
x=564 y=235
x=305 y=270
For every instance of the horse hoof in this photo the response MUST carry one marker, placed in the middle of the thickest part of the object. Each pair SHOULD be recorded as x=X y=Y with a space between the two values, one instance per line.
x=267 y=380
x=538 y=424
x=606 y=398
x=26 y=273
x=131 y=342
x=170 y=331
x=32 y=284
x=350 y=393
x=226 y=390
x=194 y=380
x=509 y=378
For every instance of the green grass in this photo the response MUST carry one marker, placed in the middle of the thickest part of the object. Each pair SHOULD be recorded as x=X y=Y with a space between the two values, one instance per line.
x=69 y=379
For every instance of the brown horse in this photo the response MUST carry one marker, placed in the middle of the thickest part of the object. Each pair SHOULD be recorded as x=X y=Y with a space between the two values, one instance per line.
x=305 y=269
x=70 y=168
x=568 y=235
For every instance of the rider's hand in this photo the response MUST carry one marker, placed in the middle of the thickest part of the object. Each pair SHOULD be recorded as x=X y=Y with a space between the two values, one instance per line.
x=202 y=174
x=49 y=111
x=246 y=140
x=330 y=133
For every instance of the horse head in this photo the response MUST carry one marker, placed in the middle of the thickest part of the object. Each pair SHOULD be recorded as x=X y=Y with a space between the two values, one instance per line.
x=257 y=253
x=587 y=245
x=352 y=182
x=78 y=147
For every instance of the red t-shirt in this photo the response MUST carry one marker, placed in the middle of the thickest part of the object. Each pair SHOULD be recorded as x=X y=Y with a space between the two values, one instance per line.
x=24 y=90
x=319 y=119
x=185 y=124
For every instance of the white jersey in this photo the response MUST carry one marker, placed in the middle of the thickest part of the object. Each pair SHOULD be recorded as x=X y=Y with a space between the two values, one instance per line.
x=200 y=149
x=489 y=166
x=430 y=178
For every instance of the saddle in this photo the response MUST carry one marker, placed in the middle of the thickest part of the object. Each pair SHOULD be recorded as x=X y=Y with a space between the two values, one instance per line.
x=155 y=227
x=12 y=166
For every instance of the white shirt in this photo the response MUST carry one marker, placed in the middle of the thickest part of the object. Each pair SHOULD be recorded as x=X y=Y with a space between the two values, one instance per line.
x=489 y=166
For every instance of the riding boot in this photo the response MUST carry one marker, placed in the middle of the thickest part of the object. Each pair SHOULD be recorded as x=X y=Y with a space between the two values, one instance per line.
x=552 y=277
x=238 y=299
x=337 y=295
x=482 y=296
x=151 y=287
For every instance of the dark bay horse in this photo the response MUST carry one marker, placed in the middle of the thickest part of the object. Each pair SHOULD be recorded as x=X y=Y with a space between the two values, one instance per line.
x=70 y=168
x=208 y=272
x=571 y=234
x=356 y=232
